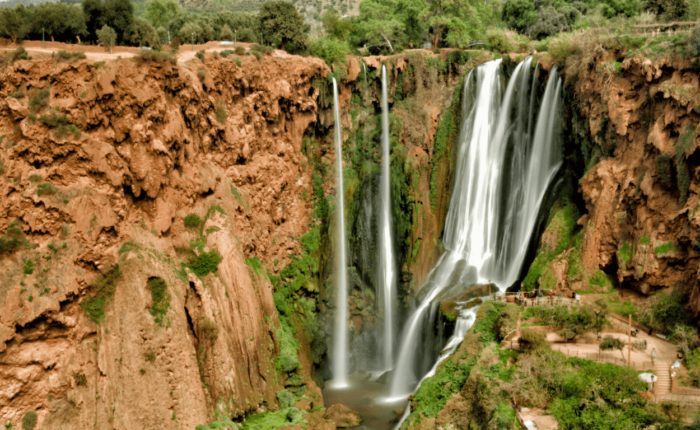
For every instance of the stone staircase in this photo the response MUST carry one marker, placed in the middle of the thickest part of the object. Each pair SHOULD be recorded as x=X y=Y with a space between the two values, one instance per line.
x=662 y=386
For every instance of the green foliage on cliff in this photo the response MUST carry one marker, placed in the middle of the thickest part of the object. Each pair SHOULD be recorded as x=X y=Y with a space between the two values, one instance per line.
x=205 y=263
x=13 y=239
x=664 y=248
x=559 y=234
x=447 y=132
x=100 y=292
x=160 y=299
x=663 y=168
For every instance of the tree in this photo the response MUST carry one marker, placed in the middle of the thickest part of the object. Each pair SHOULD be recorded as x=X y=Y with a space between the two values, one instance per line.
x=335 y=26
x=142 y=33
x=610 y=343
x=379 y=24
x=281 y=23
x=578 y=323
x=671 y=9
x=549 y=22
x=159 y=12
x=686 y=337
x=93 y=13
x=600 y=310
x=443 y=14
x=190 y=33
x=12 y=23
x=106 y=36
x=694 y=42
x=119 y=14
x=226 y=33
x=519 y=14
x=59 y=21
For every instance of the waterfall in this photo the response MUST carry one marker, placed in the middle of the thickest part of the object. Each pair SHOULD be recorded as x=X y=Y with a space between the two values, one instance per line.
x=340 y=341
x=501 y=176
x=464 y=322
x=387 y=275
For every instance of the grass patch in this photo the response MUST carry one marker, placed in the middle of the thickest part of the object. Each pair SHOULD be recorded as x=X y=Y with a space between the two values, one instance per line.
x=73 y=55
x=205 y=263
x=664 y=248
x=256 y=266
x=155 y=57
x=46 y=189
x=193 y=221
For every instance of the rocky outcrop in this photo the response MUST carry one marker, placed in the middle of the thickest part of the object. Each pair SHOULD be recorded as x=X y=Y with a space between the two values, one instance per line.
x=101 y=171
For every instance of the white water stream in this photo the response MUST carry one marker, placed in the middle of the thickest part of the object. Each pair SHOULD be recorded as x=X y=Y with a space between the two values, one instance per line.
x=502 y=173
x=387 y=269
x=340 y=338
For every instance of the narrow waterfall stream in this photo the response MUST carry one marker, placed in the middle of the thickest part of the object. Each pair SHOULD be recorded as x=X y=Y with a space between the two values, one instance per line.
x=340 y=339
x=387 y=275
x=484 y=238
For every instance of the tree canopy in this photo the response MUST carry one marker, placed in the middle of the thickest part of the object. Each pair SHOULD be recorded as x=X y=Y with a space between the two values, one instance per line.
x=281 y=24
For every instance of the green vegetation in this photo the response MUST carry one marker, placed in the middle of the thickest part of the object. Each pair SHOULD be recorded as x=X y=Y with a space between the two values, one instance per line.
x=684 y=142
x=193 y=221
x=205 y=263
x=160 y=299
x=663 y=168
x=80 y=379
x=256 y=266
x=28 y=267
x=29 y=420
x=221 y=112
x=664 y=248
x=13 y=239
x=557 y=238
x=46 y=189
x=100 y=292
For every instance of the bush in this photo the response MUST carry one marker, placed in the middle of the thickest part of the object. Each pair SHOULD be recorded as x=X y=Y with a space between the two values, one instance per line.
x=532 y=339
x=240 y=50
x=257 y=55
x=609 y=343
x=285 y=398
x=28 y=267
x=100 y=291
x=208 y=330
x=200 y=55
x=207 y=262
x=160 y=299
x=238 y=62
x=152 y=56
x=201 y=74
x=669 y=9
x=46 y=189
x=106 y=36
x=192 y=221
x=29 y=420
x=502 y=41
x=13 y=239
x=563 y=47
x=17 y=94
x=80 y=379
x=77 y=55
x=39 y=99
x=53 y=119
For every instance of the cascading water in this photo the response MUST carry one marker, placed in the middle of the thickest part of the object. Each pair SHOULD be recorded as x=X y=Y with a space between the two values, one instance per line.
x=387 y=275
x=340 y=340
x=501 y=177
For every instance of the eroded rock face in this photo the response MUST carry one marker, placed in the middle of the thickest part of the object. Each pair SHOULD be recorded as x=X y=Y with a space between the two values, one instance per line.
x=152 y=144
x=639 y=132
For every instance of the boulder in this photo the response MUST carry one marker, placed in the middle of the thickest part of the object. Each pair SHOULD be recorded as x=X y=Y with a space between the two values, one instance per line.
x=343 y=416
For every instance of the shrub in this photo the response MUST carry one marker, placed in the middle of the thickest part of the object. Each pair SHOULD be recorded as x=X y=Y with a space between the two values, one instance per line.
x=285 y=398
x=207 y=262
x=152 y=56
x=53 y=119
x=18 y=54
x=226 y=52
x=247 y=35
x=200 y=55
x=160 y=302
x=663 y=168
x=239 y=50
x=502 y=41
x=29 y=420
x=73 y=55
x=609 y=343
x=150 y=356
x=201 y=74
x=17 y=94
x=35 y=178
x=80 y=379
x=238 y=62
x=28 y=267
x=669 y=9
x=106 y=36
x=563 y=47
x=46 y=189
x=39 y=99
x=100 y=291
x=13 y=239
x=221 y=112
x=256 y=54
x=192 y=221
x=532 y=339
x=208 y=330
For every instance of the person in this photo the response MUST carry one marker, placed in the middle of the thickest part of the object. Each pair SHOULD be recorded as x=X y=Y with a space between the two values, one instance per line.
x=653 y=355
